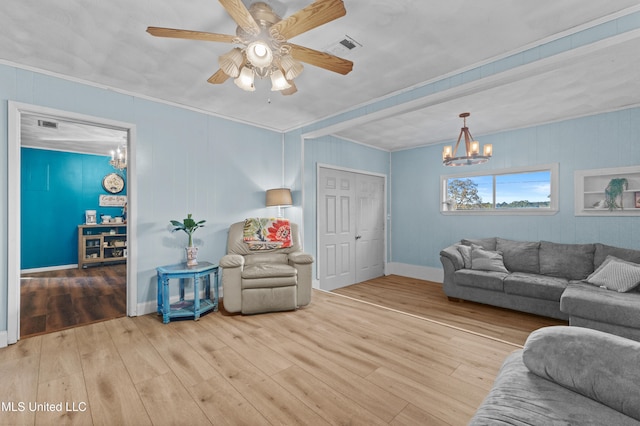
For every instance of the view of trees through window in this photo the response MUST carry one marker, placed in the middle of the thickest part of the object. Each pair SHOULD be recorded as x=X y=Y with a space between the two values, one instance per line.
x=529 y=190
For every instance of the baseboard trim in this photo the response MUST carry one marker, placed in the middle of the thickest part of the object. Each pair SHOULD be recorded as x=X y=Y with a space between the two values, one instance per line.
x=414 y=271
x=48 y=268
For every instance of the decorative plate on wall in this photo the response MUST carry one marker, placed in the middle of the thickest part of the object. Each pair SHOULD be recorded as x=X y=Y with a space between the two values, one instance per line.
x=113 y=183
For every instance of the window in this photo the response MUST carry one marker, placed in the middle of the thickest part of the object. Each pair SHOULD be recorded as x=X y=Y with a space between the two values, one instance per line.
x=526 y=190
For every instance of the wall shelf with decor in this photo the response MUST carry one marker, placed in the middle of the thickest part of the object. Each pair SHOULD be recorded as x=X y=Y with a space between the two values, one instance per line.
x=591 y=192
x=104 y=243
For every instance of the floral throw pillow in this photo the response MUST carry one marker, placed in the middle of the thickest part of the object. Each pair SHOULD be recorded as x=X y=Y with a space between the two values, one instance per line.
x=267 y=233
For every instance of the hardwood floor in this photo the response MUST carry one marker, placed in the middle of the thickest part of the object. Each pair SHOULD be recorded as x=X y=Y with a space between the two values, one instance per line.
x=336 y=361
x=57 y=300
x=426 y=299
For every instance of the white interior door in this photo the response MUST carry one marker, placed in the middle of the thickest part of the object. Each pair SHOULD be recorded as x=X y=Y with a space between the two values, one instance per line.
x=350 y=227
x=369 y=227
x=336 y=224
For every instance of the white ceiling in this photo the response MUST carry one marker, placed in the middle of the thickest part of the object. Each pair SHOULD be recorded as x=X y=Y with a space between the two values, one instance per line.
x=404 y=44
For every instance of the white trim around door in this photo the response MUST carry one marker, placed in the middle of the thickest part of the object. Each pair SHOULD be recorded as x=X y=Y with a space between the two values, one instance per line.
x=16 y=110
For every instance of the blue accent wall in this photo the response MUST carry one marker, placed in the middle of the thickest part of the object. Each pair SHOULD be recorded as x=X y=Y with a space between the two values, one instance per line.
x=57 y=188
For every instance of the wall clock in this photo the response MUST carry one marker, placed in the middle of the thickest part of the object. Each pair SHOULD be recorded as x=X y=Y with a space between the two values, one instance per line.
x=113 y=183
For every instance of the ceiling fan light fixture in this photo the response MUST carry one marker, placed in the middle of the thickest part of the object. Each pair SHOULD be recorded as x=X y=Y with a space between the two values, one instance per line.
x=245 y=80
x=259 y=54
x=231 y=62
x=291 y=67
x=278 y=82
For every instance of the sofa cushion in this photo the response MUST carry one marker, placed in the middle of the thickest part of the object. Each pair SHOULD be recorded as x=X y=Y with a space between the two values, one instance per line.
x=485 y=243
x=519 y=397
x=616 y=274
x=588 y=301
x=536 y=286
x=519 y=256
x=603 y=250
x=598 y=365
x=571 y=261
x=487 y=260
x=488 y=280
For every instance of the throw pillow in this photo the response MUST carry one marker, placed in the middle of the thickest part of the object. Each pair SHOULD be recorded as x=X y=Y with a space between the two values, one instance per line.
x=486 y=260
x=616 y=274
x=465 y=252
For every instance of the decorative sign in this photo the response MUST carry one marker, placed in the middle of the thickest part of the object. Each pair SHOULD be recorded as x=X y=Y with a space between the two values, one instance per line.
x=113 y=200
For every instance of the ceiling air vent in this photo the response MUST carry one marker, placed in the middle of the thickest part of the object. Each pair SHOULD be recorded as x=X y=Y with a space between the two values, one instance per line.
x=343 y=47
x=48 y=124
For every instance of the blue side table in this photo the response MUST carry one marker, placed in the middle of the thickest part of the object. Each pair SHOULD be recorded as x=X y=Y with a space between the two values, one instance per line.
x=190 y=307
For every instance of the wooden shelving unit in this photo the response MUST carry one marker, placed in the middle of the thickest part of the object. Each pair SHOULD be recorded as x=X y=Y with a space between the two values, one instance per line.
x=104 y=243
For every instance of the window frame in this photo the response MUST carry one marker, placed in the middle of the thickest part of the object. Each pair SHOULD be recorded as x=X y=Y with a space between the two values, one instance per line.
x=553 y=168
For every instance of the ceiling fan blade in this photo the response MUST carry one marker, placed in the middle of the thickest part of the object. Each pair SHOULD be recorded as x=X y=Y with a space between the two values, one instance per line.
x=190 y=35
x=238 y=11
x=218 y=78
x=312 y=16
x=321 y=59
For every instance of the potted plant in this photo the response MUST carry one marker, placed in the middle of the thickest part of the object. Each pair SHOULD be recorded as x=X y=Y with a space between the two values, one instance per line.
x=189 y=225
x=613 y=191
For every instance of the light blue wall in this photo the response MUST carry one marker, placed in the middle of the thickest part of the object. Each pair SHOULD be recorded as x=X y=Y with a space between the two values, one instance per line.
x=187 y=162
x=601 y=141
x=57 y=188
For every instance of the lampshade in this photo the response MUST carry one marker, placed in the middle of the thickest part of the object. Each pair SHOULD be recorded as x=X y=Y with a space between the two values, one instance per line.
x=278 y=82
x=245 y=80
x=259 y=54
x=231 y=62
x=291 y=67
x=279 y=197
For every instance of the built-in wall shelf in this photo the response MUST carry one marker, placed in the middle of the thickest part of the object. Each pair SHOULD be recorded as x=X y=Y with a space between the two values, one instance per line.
x=590 y=186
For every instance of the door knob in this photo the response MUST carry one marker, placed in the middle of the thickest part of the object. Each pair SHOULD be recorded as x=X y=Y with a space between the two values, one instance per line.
x=358 y=237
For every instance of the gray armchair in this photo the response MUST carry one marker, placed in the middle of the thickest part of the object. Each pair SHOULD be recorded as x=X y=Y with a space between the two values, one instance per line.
x=277 y=279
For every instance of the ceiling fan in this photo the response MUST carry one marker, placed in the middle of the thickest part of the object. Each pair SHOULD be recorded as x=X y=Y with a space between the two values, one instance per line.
x=266 y=51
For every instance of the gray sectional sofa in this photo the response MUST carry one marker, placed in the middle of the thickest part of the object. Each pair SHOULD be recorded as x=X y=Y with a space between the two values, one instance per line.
x=548 y=279
x=566 y=376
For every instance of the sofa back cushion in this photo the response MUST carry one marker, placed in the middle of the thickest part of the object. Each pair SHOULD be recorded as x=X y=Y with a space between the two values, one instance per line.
x=485 y=243
x=571 y=261
x=603 y=250
x=519 y=256
x=595 y=364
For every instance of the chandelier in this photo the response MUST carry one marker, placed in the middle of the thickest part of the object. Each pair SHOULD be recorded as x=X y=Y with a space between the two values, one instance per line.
x=265 y=54
x=472 y=149
x=119 y=158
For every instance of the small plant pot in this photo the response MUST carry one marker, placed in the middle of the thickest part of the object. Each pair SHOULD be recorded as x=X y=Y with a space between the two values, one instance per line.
x=192 y=256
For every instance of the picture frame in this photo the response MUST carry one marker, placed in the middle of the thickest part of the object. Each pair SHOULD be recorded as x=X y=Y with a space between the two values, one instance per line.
x=637 y=199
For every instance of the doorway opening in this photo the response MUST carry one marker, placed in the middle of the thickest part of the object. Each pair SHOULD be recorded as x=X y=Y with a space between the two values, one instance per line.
x=75 y=295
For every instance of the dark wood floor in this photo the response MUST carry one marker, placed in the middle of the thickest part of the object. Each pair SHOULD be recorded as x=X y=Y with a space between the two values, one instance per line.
x=426 y=299
x=57 y=300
